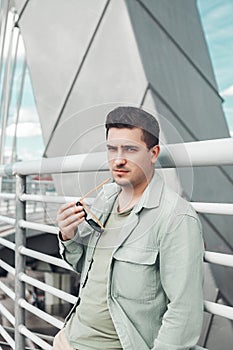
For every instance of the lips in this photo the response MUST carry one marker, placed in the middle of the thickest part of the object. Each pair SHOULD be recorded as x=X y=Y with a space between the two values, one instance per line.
x=120 y=171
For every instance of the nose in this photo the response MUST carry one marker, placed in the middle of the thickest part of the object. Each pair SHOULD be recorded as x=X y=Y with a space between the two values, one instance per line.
x=119 y=159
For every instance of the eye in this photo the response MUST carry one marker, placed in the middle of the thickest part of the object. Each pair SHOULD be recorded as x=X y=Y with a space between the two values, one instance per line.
x=130 y=148
x=111 y=148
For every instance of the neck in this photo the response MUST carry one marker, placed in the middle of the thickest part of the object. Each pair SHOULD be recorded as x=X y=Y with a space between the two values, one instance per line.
x=130 y=195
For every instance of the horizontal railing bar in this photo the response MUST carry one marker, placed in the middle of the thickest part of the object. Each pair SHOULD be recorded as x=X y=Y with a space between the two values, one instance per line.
x=41 y=314
x=7 y=267
x=7 y=337
x=213 y=208
x=43 y=198
x=44 y=257
x=29 y=181
x=53 y=199
x=200 y=153
x=40 y=335
x=171 y=155
x=7 y=243
x=219 y=258
x=7 y=290
x=37 y=340
x=218 y=309
x=47 y=288
x=202 y=207
x=57 y=165
x=6 y=313
x=38 y=227
x=41 y=182
x=8 y=220
x=7 y=195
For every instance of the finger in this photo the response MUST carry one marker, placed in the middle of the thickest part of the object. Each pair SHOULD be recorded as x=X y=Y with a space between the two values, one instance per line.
x=66 y=206
x=74 y=218
x=68 y=232
x=69 y=211
x=69 y=229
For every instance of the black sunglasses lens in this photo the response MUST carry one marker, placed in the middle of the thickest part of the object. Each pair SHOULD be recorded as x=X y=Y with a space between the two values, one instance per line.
x=91 y=222
x=95 y=225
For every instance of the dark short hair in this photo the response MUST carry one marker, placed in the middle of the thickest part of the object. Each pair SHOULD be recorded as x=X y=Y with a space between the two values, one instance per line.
x=133 y=117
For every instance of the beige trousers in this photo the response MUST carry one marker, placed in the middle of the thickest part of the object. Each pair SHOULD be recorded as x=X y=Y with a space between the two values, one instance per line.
x=60 y=342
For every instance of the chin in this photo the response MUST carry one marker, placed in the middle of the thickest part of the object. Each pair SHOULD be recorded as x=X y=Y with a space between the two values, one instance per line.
x=122 y=182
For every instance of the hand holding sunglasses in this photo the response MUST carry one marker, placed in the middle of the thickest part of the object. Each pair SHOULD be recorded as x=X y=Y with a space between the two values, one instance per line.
x=94 y=221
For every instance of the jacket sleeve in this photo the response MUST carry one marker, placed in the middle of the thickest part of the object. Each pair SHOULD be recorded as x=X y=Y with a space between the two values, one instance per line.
x=73 y=252
x=181 y=268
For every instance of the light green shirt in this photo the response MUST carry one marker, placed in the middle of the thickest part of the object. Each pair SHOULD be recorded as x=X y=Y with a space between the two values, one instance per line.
x=154 y=289
x=91 y=326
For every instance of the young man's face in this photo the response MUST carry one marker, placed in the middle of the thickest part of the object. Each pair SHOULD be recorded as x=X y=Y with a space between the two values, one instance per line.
x=130 y=161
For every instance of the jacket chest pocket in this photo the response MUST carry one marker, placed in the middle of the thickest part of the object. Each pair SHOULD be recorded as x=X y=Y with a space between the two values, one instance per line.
x=135 y=274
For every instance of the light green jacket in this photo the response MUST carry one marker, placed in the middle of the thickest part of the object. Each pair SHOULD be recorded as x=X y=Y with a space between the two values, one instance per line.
x=156 y=274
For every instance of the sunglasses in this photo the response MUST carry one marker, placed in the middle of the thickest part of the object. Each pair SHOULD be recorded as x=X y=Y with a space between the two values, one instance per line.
x=94 y=221
x=95 y=224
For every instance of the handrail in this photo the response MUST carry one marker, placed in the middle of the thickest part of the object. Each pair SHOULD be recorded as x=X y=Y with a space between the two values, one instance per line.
x=7 y=219
x=213 y=208
x=218 y=309
x=43 y=315
x=37 y=340
x=44 y=257
x=7 y=337
x=34 y=254
x=219 y=258
x=52 y=290
x=7 y=267
x=38 y=227
x=5 y=312
x=52 y=199
x=171 y=155
x=7 y=290
x=7 y=243
x=7 y=195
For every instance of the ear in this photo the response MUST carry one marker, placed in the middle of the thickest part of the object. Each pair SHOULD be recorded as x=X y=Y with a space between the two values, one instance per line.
x=155 y=153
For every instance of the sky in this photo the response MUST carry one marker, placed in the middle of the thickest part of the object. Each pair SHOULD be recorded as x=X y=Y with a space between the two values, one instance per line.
x=29 y=136
x=217 y=21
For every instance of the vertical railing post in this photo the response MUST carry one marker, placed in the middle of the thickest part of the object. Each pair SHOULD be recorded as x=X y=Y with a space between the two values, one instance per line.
x=20 y=240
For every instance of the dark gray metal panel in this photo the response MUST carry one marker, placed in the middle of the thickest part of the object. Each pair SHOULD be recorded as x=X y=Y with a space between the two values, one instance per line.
x=175 y=78
x=181 y=20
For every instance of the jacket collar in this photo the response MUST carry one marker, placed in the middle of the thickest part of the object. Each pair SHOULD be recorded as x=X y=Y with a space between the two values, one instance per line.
x=150 y=198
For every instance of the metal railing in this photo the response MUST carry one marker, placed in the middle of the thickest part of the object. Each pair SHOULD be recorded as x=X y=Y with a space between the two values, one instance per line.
x=199 y=155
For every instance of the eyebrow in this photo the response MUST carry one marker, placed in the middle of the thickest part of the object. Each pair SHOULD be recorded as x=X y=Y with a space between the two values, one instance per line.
x=123 y=146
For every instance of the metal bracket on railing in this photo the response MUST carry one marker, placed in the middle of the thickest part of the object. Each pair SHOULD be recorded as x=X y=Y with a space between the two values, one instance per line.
x=20 y=187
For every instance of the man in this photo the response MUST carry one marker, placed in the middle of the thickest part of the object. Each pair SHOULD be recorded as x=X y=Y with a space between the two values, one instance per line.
x=141 y=278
